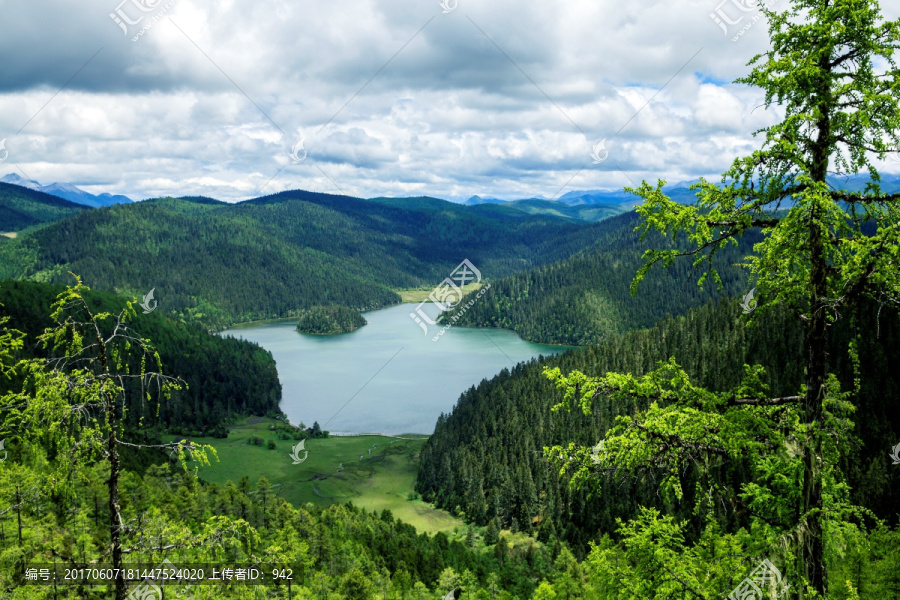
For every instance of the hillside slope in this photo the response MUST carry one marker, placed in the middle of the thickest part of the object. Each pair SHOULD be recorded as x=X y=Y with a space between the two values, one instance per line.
x=225 y=377
x=585 y=298
x=217 y=263
x=67 y=191
x=21 y=207
x=485 y=458
x=590 y=213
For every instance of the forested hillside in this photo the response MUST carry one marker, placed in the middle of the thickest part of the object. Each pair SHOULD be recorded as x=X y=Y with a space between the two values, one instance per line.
x=225 y=377
x=337 y=552
x=21 y=207
x=66 y=506
x=485 y=458
x=585 y=298
x=591 y=213
x=217 y=263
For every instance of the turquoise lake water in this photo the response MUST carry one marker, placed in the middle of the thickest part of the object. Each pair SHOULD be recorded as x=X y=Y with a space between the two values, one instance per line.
x=388 y=377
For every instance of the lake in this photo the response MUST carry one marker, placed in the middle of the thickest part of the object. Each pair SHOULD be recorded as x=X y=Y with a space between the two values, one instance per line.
x=387 y=377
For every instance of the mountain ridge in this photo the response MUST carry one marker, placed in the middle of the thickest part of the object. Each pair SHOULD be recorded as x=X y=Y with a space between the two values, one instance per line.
x=21 y=207
x=67 y=191
x=223 y=263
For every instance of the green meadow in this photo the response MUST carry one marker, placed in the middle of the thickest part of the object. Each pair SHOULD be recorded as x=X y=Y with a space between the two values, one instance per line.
x=421 y=294
x=374 y=472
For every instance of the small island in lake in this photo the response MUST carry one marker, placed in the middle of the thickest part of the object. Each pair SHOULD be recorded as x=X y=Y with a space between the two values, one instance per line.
x=328 y=320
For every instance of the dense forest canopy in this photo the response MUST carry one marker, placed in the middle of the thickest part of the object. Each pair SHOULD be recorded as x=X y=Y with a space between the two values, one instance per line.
x=826 y=254
x=704 y=442
x=585 y=299
x=75 y=506
x=216 y=264
x=21 y=208
x=483 y=458
x=329 y=320
x=777 y=472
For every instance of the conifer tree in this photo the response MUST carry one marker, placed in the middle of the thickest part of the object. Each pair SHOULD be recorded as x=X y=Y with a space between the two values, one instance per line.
x=831 y=71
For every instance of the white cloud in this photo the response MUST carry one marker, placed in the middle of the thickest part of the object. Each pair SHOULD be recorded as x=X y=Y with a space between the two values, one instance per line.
x=187 y=108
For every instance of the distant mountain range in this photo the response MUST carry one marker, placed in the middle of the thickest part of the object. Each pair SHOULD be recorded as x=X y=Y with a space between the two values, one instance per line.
x=67 y=191
x=581 y=205
x=680 y=192
x=619 y=198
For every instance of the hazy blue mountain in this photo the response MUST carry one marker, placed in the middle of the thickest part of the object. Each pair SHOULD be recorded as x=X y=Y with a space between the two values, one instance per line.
x=681 y=192
x=596 y=196
x=67 y=191
x=478 y=200
x=590 y=213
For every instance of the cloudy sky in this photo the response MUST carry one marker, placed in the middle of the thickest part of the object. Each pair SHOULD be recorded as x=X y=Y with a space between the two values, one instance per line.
x=377 y=97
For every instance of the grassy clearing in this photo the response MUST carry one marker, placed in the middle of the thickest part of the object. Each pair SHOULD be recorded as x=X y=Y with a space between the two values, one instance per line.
x=10 y=234
x=374 y=472
x=421 y=294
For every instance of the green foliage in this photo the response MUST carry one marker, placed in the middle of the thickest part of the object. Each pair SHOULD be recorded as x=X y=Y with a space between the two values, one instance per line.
x=341 y=551
x=286 y=431
x=216 y=264
x=223 y=377
x=485 y=456
x=329 y=320
x=549 y=208
x=492 y=533
x=68 y=413
x=584 y=299
x=72 y=404
x=831 y=73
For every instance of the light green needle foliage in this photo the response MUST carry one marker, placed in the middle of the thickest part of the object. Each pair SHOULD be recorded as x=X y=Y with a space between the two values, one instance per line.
x=775 y=462
x=73 y=405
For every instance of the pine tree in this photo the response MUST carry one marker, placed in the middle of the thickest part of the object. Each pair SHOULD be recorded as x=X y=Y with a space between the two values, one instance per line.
x=470 y=537
x=81 y=395
x=492 y=533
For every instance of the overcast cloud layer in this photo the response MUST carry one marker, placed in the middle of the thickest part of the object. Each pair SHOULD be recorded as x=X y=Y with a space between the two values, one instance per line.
x=390 y=97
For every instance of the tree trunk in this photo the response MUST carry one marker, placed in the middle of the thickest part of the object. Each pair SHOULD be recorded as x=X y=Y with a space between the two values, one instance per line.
x=19 y=512
x=812 y=552
x=115 y=512
x=115 y=517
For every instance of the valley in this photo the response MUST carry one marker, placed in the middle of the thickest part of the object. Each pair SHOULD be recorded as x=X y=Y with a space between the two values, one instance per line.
x=450 y=435
x=376 y=473
x=297 y=250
